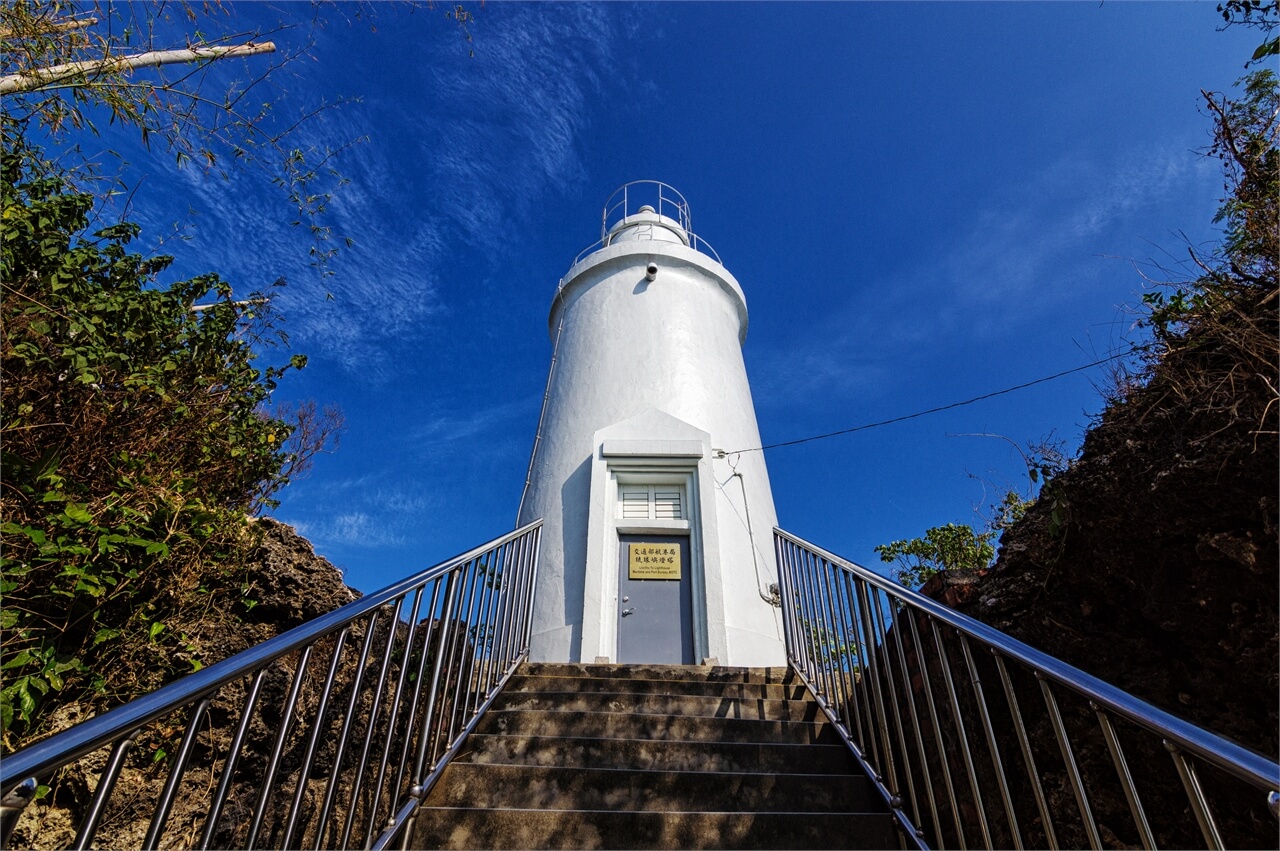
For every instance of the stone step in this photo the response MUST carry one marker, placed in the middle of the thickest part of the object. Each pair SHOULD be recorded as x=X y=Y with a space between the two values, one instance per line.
x=545 y=683
x=686 y=673
x=448 y=828
x=687 y=705
x=573 y=752
x=653 y=756
x=627 y=725
x=553 y=788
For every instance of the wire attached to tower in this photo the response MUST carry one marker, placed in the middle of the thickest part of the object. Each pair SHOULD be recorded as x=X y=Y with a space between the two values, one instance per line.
x=721 y=453
x=774 y=597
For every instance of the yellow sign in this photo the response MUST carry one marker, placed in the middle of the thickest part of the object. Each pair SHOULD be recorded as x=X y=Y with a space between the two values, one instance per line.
x=654 y=561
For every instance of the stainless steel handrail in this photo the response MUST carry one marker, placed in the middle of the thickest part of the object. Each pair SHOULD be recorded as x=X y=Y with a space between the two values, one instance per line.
x=468 y=618
x=627 y=199
x=696 y=242
x=665 y=199
x=936 y=742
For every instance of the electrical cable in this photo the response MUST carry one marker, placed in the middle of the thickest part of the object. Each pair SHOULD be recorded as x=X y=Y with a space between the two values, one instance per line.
x=542 y=415
x=772 y=597
x=866 y=426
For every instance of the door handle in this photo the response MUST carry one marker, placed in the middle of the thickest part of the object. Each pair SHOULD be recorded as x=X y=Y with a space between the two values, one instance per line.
x=630 y=611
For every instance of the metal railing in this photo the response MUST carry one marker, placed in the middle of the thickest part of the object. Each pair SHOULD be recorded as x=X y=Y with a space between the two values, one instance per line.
x=630 y=197
x=627 y=200
x=326 y=736
x=696 y=242
x=977 y=740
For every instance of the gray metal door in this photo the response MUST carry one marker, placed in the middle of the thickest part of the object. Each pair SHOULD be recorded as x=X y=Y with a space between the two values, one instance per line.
x=655 y=600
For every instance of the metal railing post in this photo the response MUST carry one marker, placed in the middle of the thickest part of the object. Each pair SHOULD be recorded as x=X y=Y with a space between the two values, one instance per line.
x=286 y=717
x=106 y=783
x=892 y=687
x=915 y=723
x=1126 y=779
x=934 y=720
x=295 y=811
x=161 y=815
x=335 y=777
x=1024 y=744
x=990 y=733
x=1069 y=760
x=394 y=724
x=821 y=590
x=1195 y=795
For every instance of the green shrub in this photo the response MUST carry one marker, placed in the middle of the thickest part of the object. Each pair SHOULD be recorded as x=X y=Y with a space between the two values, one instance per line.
x=135 y=443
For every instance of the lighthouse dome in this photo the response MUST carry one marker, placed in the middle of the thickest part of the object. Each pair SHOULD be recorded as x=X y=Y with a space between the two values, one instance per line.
x=647 y=223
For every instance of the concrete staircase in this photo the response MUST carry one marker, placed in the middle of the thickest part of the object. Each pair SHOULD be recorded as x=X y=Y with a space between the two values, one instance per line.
x=618 y=756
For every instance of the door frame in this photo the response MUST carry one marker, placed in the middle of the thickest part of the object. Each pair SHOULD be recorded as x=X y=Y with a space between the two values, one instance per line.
x=686 y=545
x=637 y=472
x=651 y=443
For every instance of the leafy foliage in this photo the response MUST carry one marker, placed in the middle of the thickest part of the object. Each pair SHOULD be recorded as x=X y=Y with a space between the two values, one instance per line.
x=135 y=442
x=953 y=547
x=1215 y=335
x=1262 y=14
x=959 y=548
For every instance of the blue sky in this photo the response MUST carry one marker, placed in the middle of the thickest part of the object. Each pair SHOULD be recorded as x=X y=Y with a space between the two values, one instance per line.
x=922 y=202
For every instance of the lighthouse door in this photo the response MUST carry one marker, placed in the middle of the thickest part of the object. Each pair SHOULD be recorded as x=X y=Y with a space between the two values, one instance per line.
x=655 y=606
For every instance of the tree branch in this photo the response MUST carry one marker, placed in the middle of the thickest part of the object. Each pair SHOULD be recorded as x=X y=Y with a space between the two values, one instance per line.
x=58 y=27
x=38 y=78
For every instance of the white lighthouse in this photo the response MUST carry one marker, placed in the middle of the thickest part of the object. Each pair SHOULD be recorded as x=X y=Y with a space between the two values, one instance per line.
x=656 y=545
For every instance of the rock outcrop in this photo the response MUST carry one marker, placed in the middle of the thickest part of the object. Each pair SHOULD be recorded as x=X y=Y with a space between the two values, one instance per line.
x=289 y=584
x=1153 y=563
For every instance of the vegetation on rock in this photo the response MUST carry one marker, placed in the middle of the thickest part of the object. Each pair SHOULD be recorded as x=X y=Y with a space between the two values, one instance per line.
x=138 y=430
x=137 y=427
x=137 y=440
x=955 y=548
x=1163 y=579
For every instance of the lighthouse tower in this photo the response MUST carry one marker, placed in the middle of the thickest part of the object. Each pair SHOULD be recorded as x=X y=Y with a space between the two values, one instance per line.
x=657 y=537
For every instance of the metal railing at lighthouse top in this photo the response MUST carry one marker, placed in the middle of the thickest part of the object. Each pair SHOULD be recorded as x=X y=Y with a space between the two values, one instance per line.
x=627 y=201
x=978 y=740
x=326 y=736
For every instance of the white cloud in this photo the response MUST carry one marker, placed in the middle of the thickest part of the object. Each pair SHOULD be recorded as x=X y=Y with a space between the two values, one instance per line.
x=363 y=512
x=462 y=166
x=449 y=427
x=349 y=529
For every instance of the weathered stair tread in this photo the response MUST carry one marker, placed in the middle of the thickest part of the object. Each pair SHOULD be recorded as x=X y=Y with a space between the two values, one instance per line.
x=581 y=752
x=654 y=756
x=700 y=706
x=594 y=829
x=549 y=683
x=632 y=726
x=553 y=787
x=708 y=673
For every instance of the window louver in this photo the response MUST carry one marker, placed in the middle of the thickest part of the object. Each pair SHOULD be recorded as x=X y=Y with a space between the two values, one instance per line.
x=666 y=505
x=635 y=504
x=651 y=502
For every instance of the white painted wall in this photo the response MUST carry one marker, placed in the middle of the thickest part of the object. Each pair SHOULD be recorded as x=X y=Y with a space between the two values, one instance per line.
x=650 y=361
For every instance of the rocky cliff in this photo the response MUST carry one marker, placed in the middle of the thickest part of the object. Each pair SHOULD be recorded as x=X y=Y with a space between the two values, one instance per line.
x=290 y=585
x=1153 y=561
